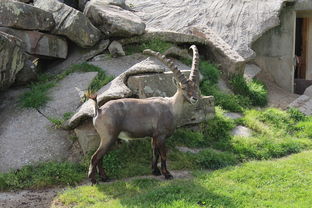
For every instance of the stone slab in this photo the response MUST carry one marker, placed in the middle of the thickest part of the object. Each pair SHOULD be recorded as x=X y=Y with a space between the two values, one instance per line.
x=42 y=44
x=24 y=16
x=241 y=131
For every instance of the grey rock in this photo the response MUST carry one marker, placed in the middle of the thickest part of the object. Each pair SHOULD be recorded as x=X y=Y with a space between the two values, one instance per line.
x=82 y=4
x=308 y=91
x=303 y=104
x=238 y=23
x=251 y=71
x=28 y=73
x=77 y=55
x=241 y=131
x=187 y=149
x=27 y=137
x=71 y=23
x=42 y=44
x=24 y=16
x=64 y=97
x=232 y=115
x=88 y=138
x=161 y=85
x=12 y=59
x=222 y=85
x=217 y=50
x=113 y=20
x=115 y=49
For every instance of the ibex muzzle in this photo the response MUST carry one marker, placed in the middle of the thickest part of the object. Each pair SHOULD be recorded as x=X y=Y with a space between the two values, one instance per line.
x=154 y=117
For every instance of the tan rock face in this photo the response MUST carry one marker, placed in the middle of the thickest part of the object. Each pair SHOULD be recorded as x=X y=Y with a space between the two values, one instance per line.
x=113 y=20
x=23 y=16
x=71 y=23
x=37 y=43
x=11 y=59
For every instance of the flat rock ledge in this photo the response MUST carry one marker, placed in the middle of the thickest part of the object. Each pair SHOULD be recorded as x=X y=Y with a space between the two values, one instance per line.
x=219 y=51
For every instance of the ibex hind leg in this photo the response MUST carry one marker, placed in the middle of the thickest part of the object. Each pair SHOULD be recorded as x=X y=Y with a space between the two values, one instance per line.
x=106 y=142
x=155 y=169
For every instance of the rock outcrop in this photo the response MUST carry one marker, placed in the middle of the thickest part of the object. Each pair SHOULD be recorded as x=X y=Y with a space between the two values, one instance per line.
x=12 y=59
x=42 y=44
x=303 y=104
x=23 y=16
x=218 y=50
x=71 y=23
x=115 y=49
x=113 y=20
x=238 y=23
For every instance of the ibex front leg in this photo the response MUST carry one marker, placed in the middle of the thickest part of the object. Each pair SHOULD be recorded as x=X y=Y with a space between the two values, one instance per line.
x=163 y=155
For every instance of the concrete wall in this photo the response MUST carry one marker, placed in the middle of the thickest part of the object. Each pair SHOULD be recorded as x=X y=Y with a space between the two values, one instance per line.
x=275 y=50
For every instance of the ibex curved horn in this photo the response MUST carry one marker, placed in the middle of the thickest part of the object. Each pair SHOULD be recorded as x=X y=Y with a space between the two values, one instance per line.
x=176 y=72
x=194 y=76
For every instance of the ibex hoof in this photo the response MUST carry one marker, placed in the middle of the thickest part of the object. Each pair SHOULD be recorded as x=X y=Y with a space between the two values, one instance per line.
x=93 y=181
x=168 y=177
x=156 y=172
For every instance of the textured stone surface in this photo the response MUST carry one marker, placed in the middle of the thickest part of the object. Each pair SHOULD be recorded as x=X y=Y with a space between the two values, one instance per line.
x=303 y=104
x=176 y=51
x=27 y=137
x=38 y=43
x=28 y=73
x=88 y=138
x=233 y=115
x=19 y=15
x=238 y=23
x=251 y=71
x=77 y=55
x=71 y=23
x=217 y=50
x=113 y=20
x=12 y=59
x=115 y=49
x=308 y=91
x=241 y=131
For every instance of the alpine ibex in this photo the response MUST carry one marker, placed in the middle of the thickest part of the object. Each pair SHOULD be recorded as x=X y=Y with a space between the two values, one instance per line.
x=154 y=117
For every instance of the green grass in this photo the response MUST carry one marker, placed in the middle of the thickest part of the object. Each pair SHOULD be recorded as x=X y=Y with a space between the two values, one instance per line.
x=38 y=96
x=42 y=176
x=254 y=90
x=279 y=183
x=154 y=44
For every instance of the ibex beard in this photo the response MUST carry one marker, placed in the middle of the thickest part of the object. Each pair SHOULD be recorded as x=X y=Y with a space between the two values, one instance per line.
x=154 y=117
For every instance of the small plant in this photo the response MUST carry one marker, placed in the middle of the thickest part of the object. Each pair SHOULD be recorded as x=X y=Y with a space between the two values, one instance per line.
x=56 y=122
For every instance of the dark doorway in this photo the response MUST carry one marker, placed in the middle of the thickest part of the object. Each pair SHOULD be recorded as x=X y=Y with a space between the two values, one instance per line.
x=301 y=56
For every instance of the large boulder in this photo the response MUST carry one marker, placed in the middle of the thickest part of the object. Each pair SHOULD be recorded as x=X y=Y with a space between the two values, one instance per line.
x=238 y=23
x=303 y=104
x=113 y=20
x=71 y=23
x=37 y=43
x=12 y=59
x=23 y=16
x=308 y=91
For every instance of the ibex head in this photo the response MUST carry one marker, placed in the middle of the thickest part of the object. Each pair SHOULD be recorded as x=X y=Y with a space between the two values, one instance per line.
x=190 y=86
